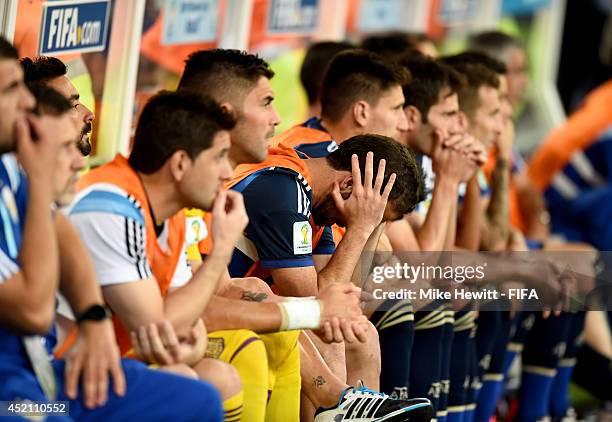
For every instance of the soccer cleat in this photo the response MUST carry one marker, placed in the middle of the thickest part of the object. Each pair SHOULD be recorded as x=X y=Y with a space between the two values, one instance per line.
x=364 y=405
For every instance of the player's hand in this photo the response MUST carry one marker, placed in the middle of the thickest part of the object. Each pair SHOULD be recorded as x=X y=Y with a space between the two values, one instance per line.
x=159 y=343
x=514 y=302
x=93 y=358
x=37 y=154
x=550 y=282
x=229 y=220
x=341 y=315
x=466 y=144
x=365 y=207
x=516 y=241
x=454 y=164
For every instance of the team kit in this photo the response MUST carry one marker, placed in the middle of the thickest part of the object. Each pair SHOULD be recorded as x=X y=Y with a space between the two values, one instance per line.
x=225 y=272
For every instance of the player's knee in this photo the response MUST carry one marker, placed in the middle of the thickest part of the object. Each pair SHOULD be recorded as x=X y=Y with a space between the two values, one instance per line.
x=372 y=339
x=222 y=375
x=253 y=284
x=371 y=332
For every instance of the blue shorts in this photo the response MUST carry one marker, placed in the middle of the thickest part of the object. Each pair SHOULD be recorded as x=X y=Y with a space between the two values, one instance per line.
x=151 y=395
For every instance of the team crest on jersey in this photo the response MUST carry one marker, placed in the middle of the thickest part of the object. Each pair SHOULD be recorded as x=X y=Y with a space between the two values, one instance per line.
x=215 y=347
x=196 y=230
x=302 y=238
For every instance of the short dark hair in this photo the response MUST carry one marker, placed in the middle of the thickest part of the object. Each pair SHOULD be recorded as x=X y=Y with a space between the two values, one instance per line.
x=408 y=189
x=315 y=64
x=429 y=78
x=7 y=51
x=219 y=73
x=355 y=75
x=173 y=121
x=477 y=57
x=42 y=68
x=390 y=45
x=476 y=75
x=48 y=100
x=494 y=43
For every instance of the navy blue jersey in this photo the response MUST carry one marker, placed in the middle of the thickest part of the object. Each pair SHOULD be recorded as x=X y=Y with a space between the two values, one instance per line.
x=280 y=231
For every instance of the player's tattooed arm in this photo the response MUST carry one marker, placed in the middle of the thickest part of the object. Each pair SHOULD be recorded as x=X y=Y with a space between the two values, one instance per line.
x=254 y=296
x=497 y=222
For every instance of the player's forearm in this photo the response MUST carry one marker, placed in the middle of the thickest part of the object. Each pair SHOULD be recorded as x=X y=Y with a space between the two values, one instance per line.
x=345 y=259
x=231 y=314
x=20 y=312
x=184 y=305
x=433 y=234
x=367 y=257
x=40 y=270
x=533 y=209
x=498 y=212
x=77 y=273
x=470 y=218
x=451 y=232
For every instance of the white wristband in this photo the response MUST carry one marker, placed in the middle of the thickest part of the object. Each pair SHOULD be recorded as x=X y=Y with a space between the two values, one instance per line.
x=298 y=299
x=300 y=314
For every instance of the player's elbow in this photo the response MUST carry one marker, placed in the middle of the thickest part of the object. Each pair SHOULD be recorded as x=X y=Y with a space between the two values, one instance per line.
x=36 y=319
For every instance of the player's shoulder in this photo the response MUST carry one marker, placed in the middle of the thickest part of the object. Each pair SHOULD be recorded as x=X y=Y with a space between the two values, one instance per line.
x=278 y=181
x=107 y=198
x=280 y=188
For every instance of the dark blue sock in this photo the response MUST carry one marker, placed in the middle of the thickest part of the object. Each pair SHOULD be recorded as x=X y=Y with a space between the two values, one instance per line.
x=426 y=358
x=394 y=321
x=447 y=346
x=559 y=397
x=533 y=396
x=487 y=397
x=493 y=380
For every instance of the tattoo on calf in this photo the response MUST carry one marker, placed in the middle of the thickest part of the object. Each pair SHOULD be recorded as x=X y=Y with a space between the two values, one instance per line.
x=318 y=381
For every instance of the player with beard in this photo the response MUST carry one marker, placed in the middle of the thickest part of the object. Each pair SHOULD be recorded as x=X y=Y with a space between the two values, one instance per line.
x=46 y=152
x=52 y=72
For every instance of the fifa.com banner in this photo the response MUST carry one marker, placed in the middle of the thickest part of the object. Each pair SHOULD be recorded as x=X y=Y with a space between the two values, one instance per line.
x=507 y=281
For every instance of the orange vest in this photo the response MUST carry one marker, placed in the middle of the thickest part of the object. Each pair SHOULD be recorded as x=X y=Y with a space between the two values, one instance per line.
x=163 y=263
x=578 y=132
x=298 y=135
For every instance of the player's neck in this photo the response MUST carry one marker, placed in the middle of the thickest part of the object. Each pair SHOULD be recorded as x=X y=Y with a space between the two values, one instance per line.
x=162 y=196
x=340 y=131
x=314 y=110
x=321 y=178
